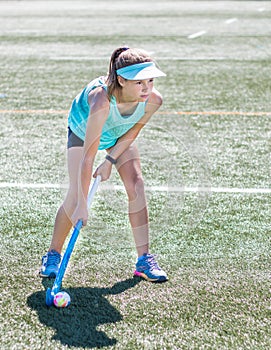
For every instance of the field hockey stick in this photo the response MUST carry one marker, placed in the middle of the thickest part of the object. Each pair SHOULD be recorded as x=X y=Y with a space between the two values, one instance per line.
x=50 y=293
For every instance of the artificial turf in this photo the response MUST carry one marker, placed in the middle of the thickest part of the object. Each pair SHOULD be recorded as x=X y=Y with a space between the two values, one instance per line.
x=215 y=246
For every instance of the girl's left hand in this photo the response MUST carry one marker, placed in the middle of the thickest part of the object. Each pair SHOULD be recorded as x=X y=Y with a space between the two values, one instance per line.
x=104 y=170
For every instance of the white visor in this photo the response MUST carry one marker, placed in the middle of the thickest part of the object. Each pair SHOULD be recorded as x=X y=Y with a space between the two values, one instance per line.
x=140 y=71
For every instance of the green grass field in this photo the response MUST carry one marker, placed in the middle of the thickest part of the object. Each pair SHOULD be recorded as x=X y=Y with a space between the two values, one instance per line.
x=206 y=163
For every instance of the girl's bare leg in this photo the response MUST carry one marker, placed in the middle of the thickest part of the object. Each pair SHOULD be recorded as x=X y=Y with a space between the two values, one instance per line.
x=63 y=224
x=129 y=169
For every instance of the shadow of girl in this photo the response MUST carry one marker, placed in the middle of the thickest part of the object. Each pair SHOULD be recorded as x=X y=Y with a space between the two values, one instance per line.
x=77 y=324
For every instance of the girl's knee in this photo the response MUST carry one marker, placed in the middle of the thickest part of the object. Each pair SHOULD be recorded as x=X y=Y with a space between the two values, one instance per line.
x=70 y=202
x=135 y=187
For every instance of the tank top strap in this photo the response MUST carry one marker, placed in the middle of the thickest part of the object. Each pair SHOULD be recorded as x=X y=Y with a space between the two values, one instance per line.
x=113 y=100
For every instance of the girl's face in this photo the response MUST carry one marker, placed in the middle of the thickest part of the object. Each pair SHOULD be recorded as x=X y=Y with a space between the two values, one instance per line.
x=136 y=90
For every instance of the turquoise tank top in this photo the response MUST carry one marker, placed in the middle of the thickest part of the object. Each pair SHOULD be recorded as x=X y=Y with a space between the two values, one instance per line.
x=115 y=126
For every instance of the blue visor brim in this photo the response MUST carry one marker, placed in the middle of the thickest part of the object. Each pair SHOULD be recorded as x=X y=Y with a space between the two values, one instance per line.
x=140 y=71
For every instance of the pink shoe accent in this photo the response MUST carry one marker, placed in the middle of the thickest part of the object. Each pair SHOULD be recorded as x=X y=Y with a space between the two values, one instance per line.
x=136 y=273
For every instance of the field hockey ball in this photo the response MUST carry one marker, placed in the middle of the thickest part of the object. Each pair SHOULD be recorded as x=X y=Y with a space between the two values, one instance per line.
x=62 y=299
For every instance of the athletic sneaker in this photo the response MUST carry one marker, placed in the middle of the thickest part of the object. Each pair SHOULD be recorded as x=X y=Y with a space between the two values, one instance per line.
x=148 y=268
x=50 y=264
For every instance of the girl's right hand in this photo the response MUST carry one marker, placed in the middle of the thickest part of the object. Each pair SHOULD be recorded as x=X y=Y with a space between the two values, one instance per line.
x=104 y=170
x=80 y=213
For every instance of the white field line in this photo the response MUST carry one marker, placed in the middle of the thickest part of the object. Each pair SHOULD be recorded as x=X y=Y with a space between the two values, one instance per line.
x=77 y=58
x=148 y=188
x=261 y=9
x=197 y=34
x=231 y=20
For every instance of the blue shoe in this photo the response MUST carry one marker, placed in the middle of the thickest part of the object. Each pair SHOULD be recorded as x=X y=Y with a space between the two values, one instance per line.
x=148 y=268
x=50 y=264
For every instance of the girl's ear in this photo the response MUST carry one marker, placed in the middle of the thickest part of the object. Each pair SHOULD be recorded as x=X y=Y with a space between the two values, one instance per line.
x=121 y=81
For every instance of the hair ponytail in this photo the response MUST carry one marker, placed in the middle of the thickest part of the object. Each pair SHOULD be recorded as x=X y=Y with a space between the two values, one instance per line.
x=123 y=57
x=112 y=80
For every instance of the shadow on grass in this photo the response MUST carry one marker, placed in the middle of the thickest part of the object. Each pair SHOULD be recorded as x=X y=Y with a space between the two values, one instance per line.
x=77 y=324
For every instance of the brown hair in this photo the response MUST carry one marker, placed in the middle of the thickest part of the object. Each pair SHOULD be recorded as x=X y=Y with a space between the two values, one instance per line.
x=123 y=57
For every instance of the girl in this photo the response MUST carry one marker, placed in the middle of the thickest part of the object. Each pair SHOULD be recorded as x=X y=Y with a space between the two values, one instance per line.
x=109 y=114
